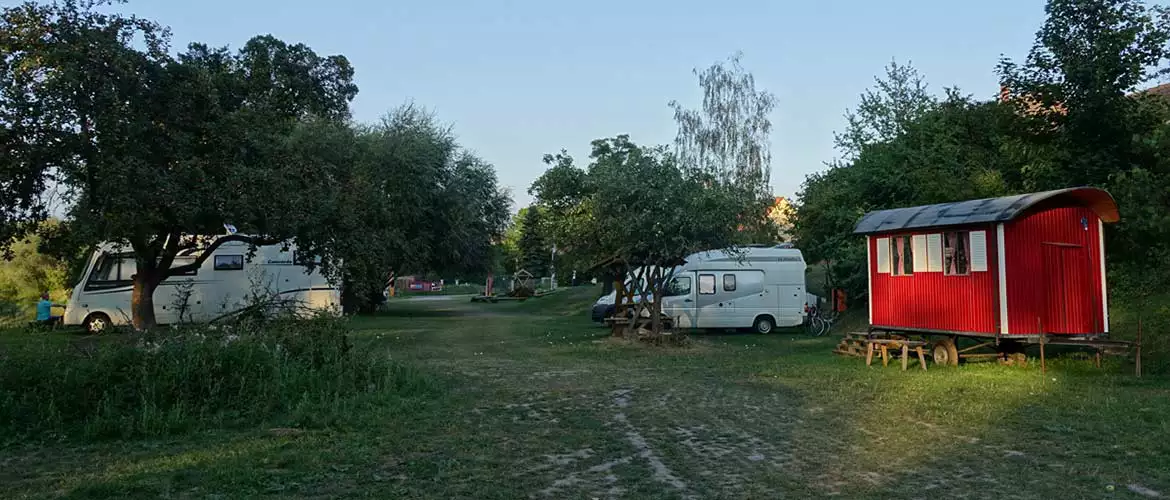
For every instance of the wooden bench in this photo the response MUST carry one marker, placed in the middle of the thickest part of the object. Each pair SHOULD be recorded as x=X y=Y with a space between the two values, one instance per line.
x=667 y=322
x=884 y=346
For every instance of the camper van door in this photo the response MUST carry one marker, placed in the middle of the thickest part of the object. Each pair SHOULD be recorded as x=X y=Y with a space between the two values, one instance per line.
x=679 y=300
x=712 y=307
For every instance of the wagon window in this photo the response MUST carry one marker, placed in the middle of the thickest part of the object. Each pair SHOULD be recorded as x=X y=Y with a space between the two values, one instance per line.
x=706 y=284
x=956 y=253
x=901 y=256
x=729 y=282
x=229 y=262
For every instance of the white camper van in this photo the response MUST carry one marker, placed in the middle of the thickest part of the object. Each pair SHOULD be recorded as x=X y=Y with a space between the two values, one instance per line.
x=761 y=289
x=220 y=286
x=605 y=305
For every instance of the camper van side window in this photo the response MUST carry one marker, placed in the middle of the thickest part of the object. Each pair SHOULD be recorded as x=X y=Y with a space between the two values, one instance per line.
x=706 y=284
x=729 y=282
x=229 y=262
x=129 y=267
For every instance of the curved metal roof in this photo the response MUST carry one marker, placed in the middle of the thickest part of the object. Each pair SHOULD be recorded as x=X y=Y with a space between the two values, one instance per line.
x=986 y=210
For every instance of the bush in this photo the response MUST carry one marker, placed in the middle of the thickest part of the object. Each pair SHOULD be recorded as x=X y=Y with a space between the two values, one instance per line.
x=296 y=373
x=1154 y=314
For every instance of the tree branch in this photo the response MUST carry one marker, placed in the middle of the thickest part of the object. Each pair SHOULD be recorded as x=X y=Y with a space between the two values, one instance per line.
x=169 y=251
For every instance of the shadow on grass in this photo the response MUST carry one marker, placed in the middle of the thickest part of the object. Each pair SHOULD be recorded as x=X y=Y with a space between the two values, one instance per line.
x=984 y=430
x=404 y=312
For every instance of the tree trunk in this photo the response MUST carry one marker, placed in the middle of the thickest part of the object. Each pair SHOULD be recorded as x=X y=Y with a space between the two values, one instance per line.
x=142 y=302
x=656 y=304
x=619 y=307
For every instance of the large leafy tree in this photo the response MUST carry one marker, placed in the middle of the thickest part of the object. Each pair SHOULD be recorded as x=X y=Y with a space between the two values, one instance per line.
x=647 y=209
x=1072 y=114
x=27 y=275
x=727 y=139
x=413 y=202
x=901 y=147
x=638 y=206
x=1076 y=87
x=534 y=247
x=1089 y=123
x=152 y=147
x=562 y=193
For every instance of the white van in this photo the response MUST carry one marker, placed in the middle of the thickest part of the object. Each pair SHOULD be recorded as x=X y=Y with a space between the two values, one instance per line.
x=605 y=306
x=222 y=285
x=761 y=289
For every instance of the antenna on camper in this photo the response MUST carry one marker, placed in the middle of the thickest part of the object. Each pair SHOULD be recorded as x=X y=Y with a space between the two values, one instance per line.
x=230 y=228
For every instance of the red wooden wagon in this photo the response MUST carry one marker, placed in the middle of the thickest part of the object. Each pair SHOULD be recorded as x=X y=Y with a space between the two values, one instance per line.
x=1005 y=271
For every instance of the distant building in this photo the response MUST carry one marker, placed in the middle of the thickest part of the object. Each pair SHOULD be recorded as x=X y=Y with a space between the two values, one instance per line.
x=1032 y=105
x=1162 y=90
x=779 y=213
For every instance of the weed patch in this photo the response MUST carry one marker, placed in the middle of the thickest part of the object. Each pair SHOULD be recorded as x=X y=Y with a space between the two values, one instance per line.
x=291 y=373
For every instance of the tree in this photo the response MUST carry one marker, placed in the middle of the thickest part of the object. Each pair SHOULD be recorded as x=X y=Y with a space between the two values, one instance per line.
x=154 y=148
x=1075 y=88
x=885 y=111
x=509 y=245
x=647 y=210
x=1087 y=123
x=728 y=137
x=535 y=250
x=640 y=206
x=412 y=202
x=28 y=274
x=903 y=147
x=561 y=193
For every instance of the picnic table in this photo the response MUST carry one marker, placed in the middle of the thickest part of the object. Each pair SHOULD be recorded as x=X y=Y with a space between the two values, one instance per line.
x=884 y=346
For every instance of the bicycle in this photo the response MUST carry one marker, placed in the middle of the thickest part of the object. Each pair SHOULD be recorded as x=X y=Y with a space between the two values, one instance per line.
x=820 y=323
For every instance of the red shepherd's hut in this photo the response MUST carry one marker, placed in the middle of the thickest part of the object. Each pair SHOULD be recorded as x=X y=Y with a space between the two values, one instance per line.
x=1016 y=266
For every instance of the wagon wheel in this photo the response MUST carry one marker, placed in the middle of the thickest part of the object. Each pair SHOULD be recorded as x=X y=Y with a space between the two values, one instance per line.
x=944 y=352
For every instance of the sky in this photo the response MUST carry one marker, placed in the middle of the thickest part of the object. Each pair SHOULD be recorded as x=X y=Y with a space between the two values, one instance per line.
x=521 y=78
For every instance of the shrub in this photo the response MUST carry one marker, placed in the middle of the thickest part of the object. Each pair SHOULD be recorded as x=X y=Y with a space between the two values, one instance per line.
x=302 y=373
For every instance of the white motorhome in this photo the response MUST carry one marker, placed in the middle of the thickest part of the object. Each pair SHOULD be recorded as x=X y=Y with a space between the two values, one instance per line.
x=220 y=286
x=763 y=288
x=606 y=304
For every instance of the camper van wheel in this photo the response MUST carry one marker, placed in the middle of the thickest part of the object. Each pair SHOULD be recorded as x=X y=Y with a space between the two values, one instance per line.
x=944 y=352
x=764 y=324
x=97 y=323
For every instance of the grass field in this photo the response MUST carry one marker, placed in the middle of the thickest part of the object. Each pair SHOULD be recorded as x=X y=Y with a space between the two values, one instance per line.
x=535 y=402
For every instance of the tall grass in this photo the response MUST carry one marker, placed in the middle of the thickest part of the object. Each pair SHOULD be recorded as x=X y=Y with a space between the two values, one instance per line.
x=292 y=373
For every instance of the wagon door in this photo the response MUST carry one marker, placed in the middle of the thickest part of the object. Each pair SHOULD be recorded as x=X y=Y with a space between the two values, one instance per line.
x=1067 y=296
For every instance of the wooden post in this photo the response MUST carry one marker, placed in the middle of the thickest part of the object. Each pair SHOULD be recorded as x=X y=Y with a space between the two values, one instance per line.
x=885 y=355
x=1043 y=365
x=1097 y=361
x=868 y=353
x=1137 y=367
x=921 y=358
x=905 y=356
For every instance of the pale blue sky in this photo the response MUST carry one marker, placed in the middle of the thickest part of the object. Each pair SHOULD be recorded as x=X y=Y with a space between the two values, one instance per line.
x=520 y=78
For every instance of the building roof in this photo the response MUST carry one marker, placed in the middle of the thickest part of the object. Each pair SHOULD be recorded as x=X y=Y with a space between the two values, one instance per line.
x=1162 y=90
x=987 y=210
